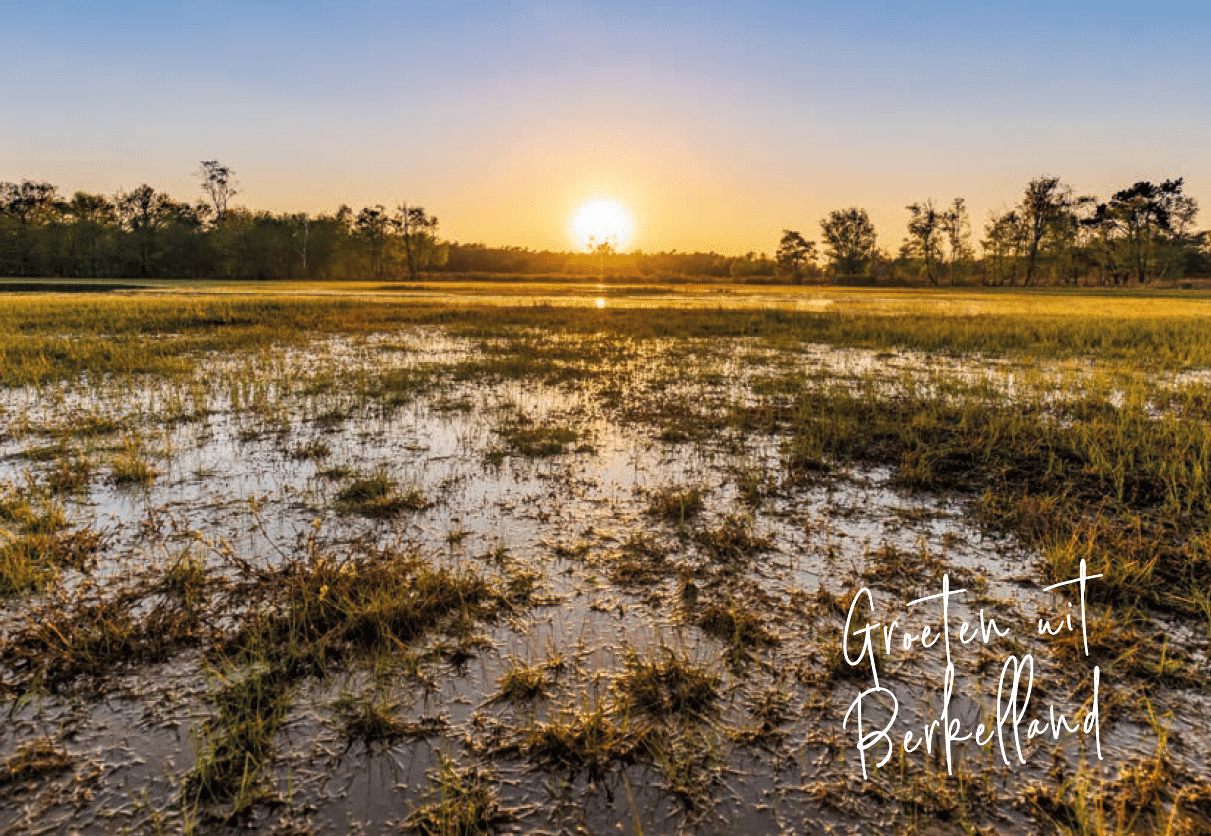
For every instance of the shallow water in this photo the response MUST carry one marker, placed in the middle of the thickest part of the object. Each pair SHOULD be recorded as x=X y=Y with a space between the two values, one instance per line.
x=225 y=444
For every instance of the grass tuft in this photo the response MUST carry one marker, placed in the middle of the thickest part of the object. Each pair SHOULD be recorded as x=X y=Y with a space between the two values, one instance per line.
x=458 y=802
x=522 y=683
x=670 y=684
x=37 y=759
x=588 y=740
x=371 y=718
x=735 y=623
x=131 y=469
x=378 y=497
x=676 y=504
x=534 y=442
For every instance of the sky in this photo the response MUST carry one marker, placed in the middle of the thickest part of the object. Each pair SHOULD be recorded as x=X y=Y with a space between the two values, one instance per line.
x=716 y=124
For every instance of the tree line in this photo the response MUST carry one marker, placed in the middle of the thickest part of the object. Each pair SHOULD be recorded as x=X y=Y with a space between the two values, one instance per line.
x=1144 y=233
x=1140 y=234
x=148 y=234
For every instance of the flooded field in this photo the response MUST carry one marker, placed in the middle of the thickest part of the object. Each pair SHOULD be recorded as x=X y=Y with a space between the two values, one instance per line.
x=315 y=569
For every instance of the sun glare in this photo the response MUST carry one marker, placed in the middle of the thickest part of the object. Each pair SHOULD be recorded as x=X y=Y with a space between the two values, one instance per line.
x=602 y=220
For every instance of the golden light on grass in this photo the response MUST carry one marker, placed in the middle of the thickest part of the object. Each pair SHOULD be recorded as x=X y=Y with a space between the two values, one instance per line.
x=603 y=221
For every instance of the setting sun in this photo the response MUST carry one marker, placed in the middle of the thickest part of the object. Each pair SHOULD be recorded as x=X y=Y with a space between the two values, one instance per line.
x=602 y=220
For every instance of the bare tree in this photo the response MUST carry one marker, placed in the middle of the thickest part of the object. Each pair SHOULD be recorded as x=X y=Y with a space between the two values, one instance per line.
x=219 y=183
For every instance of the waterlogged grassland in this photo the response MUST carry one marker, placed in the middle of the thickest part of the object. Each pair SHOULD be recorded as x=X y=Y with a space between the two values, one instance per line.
x=57 y=336
x=307 y=561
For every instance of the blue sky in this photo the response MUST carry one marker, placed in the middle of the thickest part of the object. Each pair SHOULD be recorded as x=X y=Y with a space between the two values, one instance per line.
x=718 y=124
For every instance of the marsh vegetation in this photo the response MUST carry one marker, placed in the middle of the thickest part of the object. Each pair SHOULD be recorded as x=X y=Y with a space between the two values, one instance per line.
x=305 y=563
